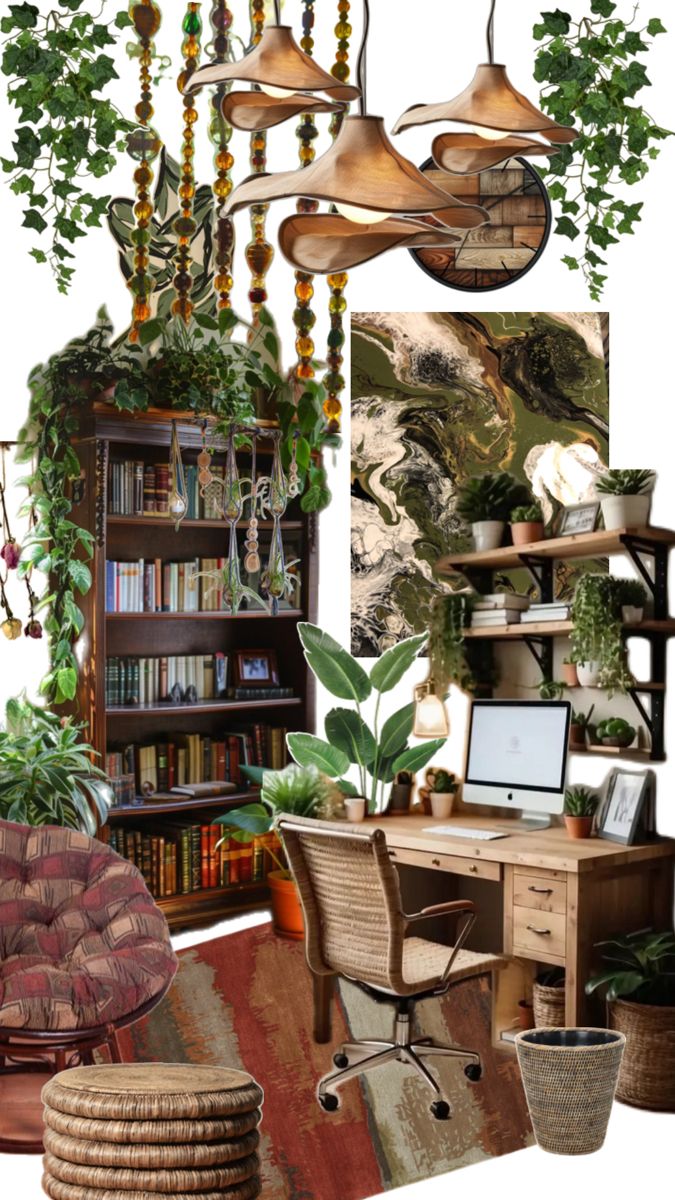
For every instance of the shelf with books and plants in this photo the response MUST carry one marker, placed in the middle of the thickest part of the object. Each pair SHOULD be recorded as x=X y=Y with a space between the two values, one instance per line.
x=179 y=692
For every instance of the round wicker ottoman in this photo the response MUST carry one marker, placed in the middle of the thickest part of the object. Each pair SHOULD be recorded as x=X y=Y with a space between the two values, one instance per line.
x=151 y=1131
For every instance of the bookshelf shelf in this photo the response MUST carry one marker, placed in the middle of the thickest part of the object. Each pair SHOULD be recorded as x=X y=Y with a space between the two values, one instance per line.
x=166 y=522
x=201 y=706
x=246 y=615
x=148 y=809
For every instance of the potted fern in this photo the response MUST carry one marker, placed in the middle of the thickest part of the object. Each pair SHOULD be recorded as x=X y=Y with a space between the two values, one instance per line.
x=625 y=498
x=485 y=502
x=527 y=524
x=580 y=807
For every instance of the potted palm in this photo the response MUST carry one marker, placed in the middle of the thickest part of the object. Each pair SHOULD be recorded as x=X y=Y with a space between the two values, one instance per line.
x=527 y=524
x=485 y=502
x=295 y=791
x=625 y=498
x=580 y=808
x=632 y=597
x=639 y=984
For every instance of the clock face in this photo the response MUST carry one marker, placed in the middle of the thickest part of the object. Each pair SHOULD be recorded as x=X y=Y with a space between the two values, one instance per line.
x=499 y=253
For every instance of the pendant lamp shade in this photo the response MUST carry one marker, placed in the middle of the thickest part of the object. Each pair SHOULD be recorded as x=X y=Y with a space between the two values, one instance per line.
x=469 y=154
x=277 y=61
x=324 y=243
x=252 y=111
x=363 y=169
x=490 y=101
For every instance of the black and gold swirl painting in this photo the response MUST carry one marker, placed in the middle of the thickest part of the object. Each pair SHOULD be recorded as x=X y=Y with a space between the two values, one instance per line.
x=438 y=397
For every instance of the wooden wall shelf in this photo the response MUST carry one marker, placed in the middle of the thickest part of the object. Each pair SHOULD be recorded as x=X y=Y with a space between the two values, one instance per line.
x=578 y=545
x=150 y=809
x=201 y=706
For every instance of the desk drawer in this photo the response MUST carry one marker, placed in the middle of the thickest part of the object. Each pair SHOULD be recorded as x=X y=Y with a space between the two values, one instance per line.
x=544 y=894
x=538 y=931
x=476 y=868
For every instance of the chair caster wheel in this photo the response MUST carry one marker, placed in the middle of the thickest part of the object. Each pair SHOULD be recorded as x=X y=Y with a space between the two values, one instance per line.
x=441 y=1110
x=329 y=1103
x=473 y=1072
x=340 y=1060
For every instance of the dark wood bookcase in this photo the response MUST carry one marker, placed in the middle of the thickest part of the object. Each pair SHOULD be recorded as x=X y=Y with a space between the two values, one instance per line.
x=105 y=436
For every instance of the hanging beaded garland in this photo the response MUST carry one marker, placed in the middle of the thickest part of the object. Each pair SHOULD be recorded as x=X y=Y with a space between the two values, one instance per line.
x=143 y=144
x=333 y=381
x=220 y=133
x=185 y=225
x=303 y=317
x=259 y=253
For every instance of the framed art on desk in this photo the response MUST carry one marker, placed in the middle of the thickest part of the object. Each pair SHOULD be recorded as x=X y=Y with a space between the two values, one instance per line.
x=624 y=809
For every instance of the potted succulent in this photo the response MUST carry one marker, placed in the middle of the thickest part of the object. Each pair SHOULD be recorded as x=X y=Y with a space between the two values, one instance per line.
x=625 y=498
x=301 y=792
x=569 y=673
x=527 y=524
x=615 y=731
x=485 y=502
x=597 y=645
x=633 y=597
x=442 y=788
x=578 y=727
x=639 y=984
x=580 y=807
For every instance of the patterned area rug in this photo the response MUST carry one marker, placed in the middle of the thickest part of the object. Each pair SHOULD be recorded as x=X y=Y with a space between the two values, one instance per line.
x=245 y=1001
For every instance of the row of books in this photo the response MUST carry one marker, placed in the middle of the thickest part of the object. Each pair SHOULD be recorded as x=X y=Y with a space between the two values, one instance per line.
x=137 y=489
x=151 y=585
x=191 y=758
x=176 y=857
x=509 y=608
x=165 y=678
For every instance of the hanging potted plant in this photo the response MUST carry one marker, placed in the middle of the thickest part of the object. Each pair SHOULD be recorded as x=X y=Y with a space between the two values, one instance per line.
x=580 y=808
x=450 y=615
x=632 y=597
x=578 y=726
x=639 y=984
x=625 y=498
x=527 y=524
x=485 y=502
x=597 y=645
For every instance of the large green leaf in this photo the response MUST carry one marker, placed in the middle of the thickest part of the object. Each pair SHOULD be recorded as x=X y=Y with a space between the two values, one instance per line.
x=310 y=751
x=333 y=666
x=396 y=730
x=252 y=819
x=349 y=732
x=392 y=666
x=418 y=756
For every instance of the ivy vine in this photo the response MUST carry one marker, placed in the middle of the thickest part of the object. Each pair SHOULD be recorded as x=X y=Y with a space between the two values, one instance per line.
x=592 y=77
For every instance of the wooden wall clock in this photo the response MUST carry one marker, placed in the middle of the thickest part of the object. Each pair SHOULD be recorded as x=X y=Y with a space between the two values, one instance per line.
x=497 y=254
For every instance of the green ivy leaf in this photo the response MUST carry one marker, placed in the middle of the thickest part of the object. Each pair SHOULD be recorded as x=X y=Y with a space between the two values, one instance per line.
x=603 y=8
x=567 y=228
x=655 y=26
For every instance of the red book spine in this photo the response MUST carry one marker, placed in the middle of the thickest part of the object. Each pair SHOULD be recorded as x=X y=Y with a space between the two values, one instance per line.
x=246 y=863
x=235 y=861
x=214 y=856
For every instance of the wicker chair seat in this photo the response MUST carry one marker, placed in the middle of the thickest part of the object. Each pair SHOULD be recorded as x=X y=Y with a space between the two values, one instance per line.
x=424 y=963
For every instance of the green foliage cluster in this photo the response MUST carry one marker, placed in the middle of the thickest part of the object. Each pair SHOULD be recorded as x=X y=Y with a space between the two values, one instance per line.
x=592 y=75
x=640 y=967
x=443 y=782
x=491 y=497
x=630 y=482
x=67 y=131
x=450 y=614
x=632 y=593
x=47 y=776
x=597 y=633
x=526 y=512
x=580 y=802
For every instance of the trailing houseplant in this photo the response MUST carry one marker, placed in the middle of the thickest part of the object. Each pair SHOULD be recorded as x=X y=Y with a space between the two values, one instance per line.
x=591 y=74
x=625 y=498
x=47 y=776
x=377 y=753
x=580 y=808
x=450 y=615
x=596 y=640
x=485 y=503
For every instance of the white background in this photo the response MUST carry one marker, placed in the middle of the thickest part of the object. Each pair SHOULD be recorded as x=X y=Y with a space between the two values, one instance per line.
x=419 y=52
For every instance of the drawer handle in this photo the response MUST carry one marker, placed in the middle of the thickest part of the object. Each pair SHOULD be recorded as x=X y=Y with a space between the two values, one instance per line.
x=543 y=932
x=473 y=868
x=435 y=862
x=540 y=891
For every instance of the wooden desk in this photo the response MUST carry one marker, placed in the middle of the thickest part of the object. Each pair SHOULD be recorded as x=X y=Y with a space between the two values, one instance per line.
x=560 y=896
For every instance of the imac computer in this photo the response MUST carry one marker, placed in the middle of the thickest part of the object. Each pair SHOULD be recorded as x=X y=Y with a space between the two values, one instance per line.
x=517 y=756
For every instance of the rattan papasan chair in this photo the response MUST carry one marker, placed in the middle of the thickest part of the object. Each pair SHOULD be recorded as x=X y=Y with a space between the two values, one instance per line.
x=84 y=951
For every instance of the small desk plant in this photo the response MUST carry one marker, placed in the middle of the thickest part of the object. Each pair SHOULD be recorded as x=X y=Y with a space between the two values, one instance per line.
x=580 y=808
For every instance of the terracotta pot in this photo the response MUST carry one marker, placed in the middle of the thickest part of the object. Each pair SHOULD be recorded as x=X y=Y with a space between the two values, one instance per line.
x=286 y=908
x=525 y=1015
x=578 y=827
x=577 y=737
x=568 y=672
x=527 y=531
x=626 y=512
x=487 y=535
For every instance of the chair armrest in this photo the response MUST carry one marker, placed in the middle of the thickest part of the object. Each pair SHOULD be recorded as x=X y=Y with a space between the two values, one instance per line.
x=440 y=910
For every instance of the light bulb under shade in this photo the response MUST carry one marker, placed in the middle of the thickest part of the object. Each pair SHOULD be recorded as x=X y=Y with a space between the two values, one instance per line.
x=324 y=243
x=490 y=135
x=277 y=93
x=431 y=718
x=361 y=216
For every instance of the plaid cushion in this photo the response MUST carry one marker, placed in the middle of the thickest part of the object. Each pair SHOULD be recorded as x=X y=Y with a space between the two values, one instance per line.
x=82 y=942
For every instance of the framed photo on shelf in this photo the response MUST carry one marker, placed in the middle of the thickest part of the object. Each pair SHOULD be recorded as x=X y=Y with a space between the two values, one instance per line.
x=625 y=807
x=255 y=668
x=579 y=518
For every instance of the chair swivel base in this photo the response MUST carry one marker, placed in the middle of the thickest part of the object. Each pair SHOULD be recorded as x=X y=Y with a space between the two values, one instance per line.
x=355 y=1058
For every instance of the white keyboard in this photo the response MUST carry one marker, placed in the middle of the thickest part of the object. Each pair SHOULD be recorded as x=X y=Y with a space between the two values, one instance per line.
x=481 y=835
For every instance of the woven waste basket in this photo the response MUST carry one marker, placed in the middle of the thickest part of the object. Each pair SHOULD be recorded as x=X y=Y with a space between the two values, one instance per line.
x=154 y=1131
x=548 y=1002
x=647 y=1076
x=570 y=1076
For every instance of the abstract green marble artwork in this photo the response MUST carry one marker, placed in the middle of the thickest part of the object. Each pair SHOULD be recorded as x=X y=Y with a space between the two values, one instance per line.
x=438 y=397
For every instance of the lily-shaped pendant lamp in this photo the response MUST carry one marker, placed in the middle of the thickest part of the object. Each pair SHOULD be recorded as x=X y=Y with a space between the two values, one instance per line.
x=287 y=82
x=501 y=119
x=370 y=183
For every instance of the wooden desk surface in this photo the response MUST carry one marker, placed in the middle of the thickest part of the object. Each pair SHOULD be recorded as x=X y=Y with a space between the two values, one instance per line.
x=551 y=848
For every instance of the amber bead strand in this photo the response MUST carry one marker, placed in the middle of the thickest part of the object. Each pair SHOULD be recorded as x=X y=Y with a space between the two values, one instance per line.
x=259 y=253
x=333 y=381
x=144 y=145
x=303 y=317
x=185 y=225
x=220 y=133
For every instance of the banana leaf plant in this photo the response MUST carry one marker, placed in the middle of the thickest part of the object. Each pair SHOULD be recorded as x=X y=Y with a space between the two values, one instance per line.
x=47 y=776
x=377 y=753
x=639 y=967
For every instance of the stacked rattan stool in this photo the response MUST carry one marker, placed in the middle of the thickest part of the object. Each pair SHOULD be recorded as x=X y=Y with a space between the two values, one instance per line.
x=151 y=1131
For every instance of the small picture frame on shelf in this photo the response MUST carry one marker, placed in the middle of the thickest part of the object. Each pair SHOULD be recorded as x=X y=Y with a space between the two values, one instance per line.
x=625 y=809
x=255 y=668
x=579 y=518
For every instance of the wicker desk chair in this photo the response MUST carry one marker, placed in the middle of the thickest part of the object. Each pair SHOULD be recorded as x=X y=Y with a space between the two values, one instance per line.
x=355 y=927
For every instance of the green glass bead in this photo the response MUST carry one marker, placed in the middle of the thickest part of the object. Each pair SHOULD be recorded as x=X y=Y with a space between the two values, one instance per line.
x=304 y=319
x=334 y=382
x=140 y=237
x=143 y=144
x=141 y=284
x=336 y=339
x=184 y=226
x=337 y=304
x=192 y=23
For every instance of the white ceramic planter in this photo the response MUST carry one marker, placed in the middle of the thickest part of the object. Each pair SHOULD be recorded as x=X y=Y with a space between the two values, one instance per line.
x=355 y=809
x=487 y=535
x=588 y=674
x=626 y=512
x=630 y=615
x=441 y=804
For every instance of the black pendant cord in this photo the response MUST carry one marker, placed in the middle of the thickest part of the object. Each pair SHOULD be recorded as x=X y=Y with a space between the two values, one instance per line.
x=491 y=33
x=361 y=64
x=277 y=12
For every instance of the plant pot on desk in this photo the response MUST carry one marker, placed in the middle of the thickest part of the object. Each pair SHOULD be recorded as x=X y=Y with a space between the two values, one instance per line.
x=441 y=804
x=578 y=827
x=286 y=907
